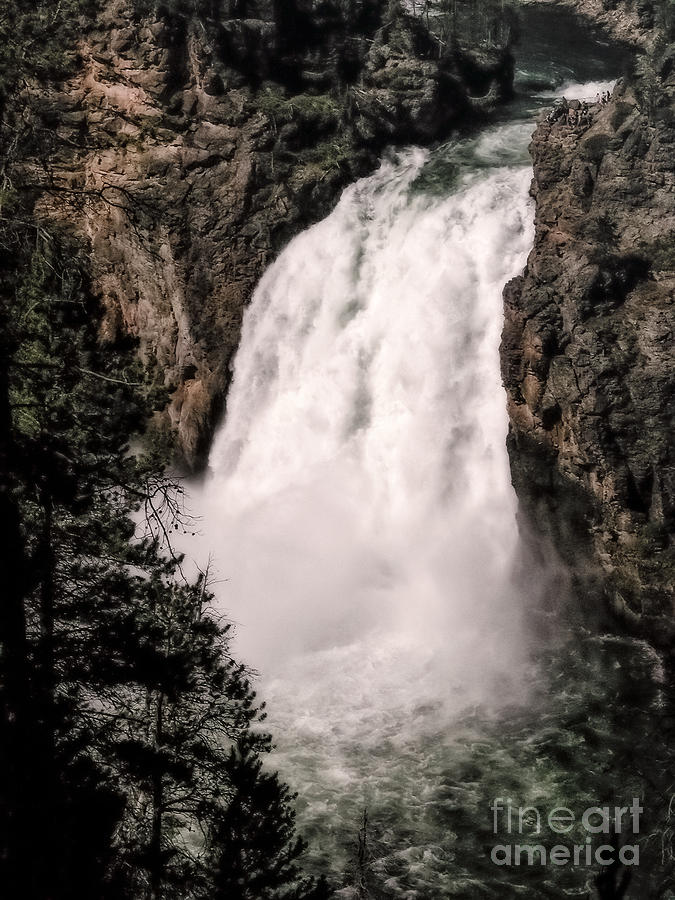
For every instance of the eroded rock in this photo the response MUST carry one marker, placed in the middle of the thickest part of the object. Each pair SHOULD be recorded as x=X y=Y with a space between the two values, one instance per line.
x=191 y=149
x=588 y=356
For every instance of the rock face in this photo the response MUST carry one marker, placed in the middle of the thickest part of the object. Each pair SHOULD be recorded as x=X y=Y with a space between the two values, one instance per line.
x=191 y=146
x=627 y=21
x=588 y=352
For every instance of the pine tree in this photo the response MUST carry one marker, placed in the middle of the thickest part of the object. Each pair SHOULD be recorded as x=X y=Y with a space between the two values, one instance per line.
x=253 y=844
x=121 y=701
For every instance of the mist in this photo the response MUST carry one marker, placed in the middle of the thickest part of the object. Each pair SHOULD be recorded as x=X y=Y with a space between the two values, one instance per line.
x=358 y=501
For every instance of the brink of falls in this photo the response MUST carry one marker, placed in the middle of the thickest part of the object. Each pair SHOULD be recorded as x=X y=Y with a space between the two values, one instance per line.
x=360 y=510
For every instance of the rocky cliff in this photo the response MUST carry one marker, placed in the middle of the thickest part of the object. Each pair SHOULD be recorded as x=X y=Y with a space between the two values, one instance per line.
x=588 y=352
x=195 y=138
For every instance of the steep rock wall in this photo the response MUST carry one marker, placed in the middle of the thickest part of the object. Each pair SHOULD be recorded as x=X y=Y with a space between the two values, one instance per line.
x=588 y=352
x=190 y=146
x=626 y=20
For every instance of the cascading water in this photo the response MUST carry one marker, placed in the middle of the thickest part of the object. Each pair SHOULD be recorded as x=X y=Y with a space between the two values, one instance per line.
x=360 y=510
x=359 y=499
x=361 y=478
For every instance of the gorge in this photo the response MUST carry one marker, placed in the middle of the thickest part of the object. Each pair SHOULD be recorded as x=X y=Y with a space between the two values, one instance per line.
x=359 y=502
x=409 y=346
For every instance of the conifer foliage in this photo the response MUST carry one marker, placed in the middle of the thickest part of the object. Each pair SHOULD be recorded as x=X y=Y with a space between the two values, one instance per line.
x=132 y=752
x=130 y=740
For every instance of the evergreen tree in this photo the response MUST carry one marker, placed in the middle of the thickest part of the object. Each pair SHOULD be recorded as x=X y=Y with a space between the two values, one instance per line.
x=253 y=847
x=120 y=700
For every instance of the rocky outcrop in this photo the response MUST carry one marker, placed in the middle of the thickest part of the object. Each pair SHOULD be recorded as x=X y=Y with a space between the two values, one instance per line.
x=630 y=21
x=588 y=352
x=190 y=146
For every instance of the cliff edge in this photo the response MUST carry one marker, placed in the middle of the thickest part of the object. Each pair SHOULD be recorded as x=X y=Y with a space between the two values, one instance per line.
x=588 y=352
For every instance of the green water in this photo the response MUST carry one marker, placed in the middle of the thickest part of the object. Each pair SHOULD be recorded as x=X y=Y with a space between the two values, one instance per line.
x=597 y=730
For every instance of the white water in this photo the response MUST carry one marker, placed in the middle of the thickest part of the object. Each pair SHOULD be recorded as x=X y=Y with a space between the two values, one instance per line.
x=359 y=487
x=359 y=503
x=574 y=90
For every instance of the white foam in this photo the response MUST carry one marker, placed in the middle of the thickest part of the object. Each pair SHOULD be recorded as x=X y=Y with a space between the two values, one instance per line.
x=577 y=91
x=359 y=502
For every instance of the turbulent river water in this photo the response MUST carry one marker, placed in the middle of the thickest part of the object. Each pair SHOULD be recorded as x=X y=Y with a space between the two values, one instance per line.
x=361 y=514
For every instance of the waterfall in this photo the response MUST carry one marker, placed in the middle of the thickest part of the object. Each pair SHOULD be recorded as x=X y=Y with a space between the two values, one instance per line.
x=359 y=502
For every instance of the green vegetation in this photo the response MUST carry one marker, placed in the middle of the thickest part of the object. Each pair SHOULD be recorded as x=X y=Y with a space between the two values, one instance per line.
x=314 y=114
x=131 y=748
x=308 y=127
x=38 y=39
x=131 y=752
x=38 y=44
x=174 y=8
x=471 y=22
x=131 y=745
x=662 y=14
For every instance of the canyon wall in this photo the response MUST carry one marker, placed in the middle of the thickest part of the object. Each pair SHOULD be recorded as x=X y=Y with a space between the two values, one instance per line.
x=195 y=139
x=588 y=351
